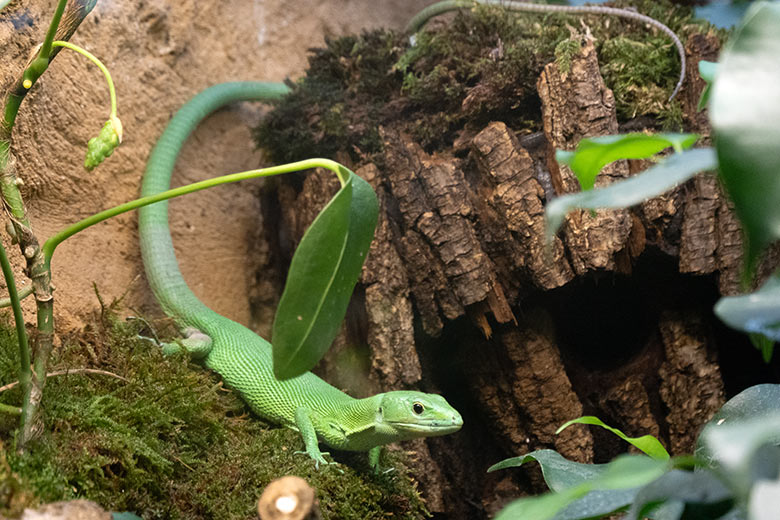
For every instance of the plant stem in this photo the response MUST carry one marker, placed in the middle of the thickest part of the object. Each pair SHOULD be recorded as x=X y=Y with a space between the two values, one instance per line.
x=70 y=15
x=25 y=375
x=342 y=172
x=7 y=408
x=23 y=293
x=99 y=64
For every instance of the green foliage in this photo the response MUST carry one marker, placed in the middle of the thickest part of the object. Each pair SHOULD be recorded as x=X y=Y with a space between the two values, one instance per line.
x=745 y=110
x=650 y=183
x=169 y=442
x=738 y=451
x=582 y=490
x=592 y=154
x=647 y=443
x=565 y=52
x=707 y=70
x=737 y=465
x=481 y=67
x=323 y=273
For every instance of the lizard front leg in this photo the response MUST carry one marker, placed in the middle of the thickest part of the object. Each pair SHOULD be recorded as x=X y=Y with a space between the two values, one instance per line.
x=303 y=420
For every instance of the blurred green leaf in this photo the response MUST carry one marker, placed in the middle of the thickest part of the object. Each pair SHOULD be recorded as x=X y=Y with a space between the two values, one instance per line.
x=757 y=312
x=323 y=273
x=707 y=70
x=764 y=499
x=582 y=490
x=541 y=507
x=592 y=154
x=694 y=491
x=125 y=516
x=650 y=183
x=745 y=116
x=741 y=439
x=647 y=443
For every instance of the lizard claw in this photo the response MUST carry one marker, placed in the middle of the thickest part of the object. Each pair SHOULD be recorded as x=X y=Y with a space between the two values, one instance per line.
x=319 y=458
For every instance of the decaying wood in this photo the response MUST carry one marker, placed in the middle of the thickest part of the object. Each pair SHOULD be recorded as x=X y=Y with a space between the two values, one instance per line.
x=691 y=383
x=577 y=104
x=459 y=262
x=389 y=311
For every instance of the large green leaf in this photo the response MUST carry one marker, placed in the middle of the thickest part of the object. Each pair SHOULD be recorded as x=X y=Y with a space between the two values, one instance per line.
x=757 y=312
x=582 y=490
x=592 y=154
x=741 y=439
x=559 y=473
x=745 y=115
x=541 y=507
x=323 y=273
x=650 y=183
x=701 y=492
x=647 y=443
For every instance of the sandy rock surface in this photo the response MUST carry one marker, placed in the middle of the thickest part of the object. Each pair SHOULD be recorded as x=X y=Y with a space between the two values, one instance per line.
x=160 y=52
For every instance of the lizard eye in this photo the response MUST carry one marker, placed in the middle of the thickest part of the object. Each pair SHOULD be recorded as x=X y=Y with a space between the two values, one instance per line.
x=418 y=408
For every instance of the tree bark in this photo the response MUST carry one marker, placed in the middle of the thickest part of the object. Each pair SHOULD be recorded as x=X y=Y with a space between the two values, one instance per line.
x=460 y=295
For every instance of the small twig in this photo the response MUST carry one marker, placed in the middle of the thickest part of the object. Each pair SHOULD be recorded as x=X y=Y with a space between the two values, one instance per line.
x=71 y=371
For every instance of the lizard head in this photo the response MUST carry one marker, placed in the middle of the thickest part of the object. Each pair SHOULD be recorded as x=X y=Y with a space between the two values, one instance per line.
x=409 y=415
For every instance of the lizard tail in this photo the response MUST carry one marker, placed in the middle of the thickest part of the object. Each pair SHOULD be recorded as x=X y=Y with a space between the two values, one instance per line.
x=159 y=258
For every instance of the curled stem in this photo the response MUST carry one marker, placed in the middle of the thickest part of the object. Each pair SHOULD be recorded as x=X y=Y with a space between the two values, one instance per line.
x=99 y=64
x=51 y=244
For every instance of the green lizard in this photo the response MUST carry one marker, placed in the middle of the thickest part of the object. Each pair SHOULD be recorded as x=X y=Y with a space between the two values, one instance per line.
x=319 y=411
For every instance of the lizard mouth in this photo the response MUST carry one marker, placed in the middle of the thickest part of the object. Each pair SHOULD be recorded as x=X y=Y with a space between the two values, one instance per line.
x=432 y=427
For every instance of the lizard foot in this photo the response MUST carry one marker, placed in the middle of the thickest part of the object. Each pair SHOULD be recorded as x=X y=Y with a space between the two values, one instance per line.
x=319 y=458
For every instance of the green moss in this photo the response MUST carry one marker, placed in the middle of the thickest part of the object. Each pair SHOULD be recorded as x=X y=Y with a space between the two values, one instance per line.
x=334 y=106
x=565 y=52
x=169 y=442
x=481 y=66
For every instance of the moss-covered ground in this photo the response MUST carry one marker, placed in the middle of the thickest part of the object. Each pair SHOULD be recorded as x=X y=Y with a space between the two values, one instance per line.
x=480 y=66
x=168 y=441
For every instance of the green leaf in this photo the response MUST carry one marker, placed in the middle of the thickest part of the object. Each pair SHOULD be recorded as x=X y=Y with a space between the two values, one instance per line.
x=699 y=491
x=707 y=70
x=764 y=345
x=628 y=471
x=742 y=438
x=582 y=490
x=323 y=273
x=559 y=473
x=102 y=146
x=764 y=498
x=757 y=312
x=542 y=507
x=647 y=443
x=745 y=115
x=592 y=154
x=650 y=183
x=125 y=516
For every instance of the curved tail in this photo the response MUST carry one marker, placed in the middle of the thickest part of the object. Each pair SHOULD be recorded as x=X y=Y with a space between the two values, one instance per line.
x=162 y=269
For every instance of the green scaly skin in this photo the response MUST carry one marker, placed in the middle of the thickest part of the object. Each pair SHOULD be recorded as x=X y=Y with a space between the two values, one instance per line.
x=306 y=403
